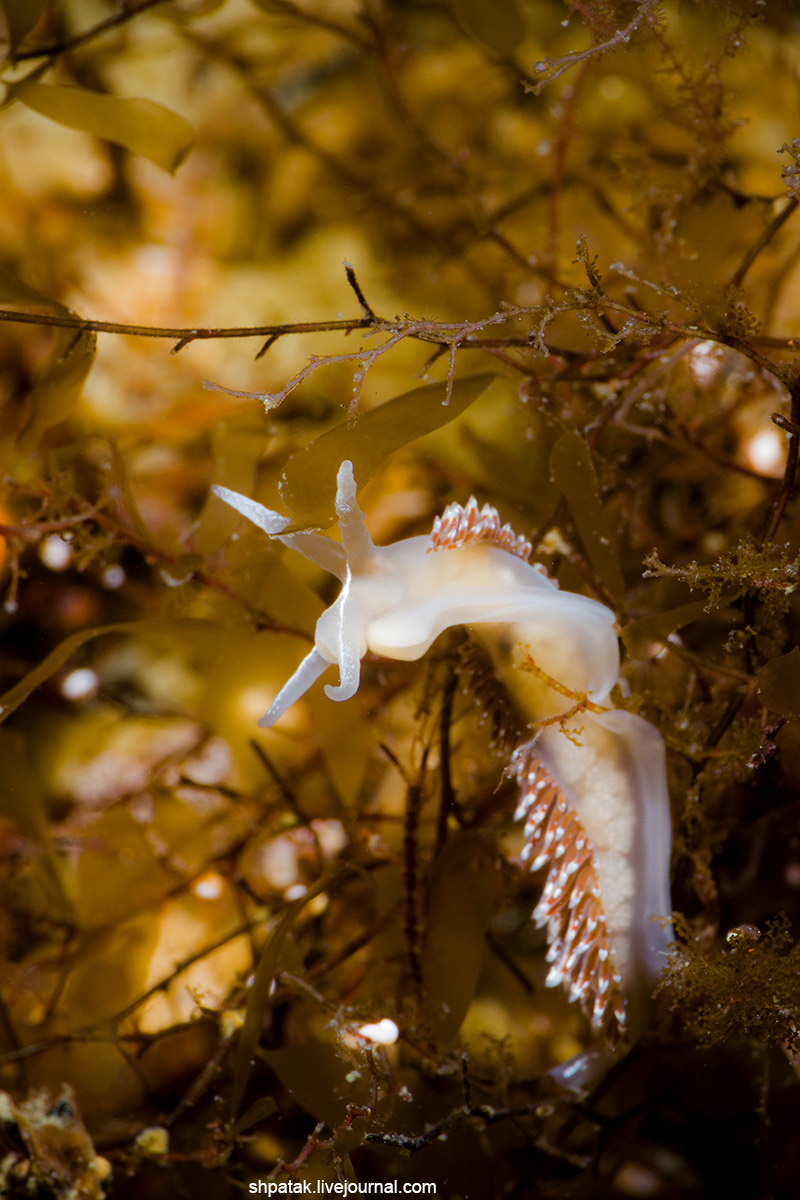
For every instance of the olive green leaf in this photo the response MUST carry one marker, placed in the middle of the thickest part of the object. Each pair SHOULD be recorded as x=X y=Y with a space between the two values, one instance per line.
x=779 y=684
x=141 y=126
x=21 y=16
x=498 y=25
x=275 y=956
x=640 y=636
x=572 y=471
x=23 y=803
x=320 y=1079
x=309 y=481
x=463 y=887
x=58 y=385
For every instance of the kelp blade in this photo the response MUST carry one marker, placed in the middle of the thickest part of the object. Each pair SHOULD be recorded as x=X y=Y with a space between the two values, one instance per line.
x=309 y=480
x=573 y=472
x=141 y=126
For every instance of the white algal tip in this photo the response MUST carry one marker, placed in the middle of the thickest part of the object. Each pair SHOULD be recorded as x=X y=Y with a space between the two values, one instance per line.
x=381 y=1033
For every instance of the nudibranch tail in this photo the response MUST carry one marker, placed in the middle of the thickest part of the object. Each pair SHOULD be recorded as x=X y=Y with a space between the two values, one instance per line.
x=642 y=758
x=459 y=526
x=592 y=792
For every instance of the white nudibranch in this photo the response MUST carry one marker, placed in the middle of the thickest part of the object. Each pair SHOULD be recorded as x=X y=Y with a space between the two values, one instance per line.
x=592 y=777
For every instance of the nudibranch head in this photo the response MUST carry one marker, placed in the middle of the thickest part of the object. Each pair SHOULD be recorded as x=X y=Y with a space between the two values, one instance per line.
x=396 y=600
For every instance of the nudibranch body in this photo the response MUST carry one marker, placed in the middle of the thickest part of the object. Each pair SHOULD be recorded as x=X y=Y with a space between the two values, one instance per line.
x=591 y=777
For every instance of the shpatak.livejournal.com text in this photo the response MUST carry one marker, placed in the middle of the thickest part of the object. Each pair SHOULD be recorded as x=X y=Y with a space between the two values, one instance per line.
x=323 y=1187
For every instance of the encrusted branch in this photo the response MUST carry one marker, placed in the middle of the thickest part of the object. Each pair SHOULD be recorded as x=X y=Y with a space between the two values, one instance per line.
x=183 y=336
x=73 y=41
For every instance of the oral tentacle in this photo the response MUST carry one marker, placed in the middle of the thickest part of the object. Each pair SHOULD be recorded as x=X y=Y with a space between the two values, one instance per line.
x=309 y=671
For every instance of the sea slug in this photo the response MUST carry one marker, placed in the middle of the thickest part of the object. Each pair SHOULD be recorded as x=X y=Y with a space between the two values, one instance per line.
x=592 y=780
